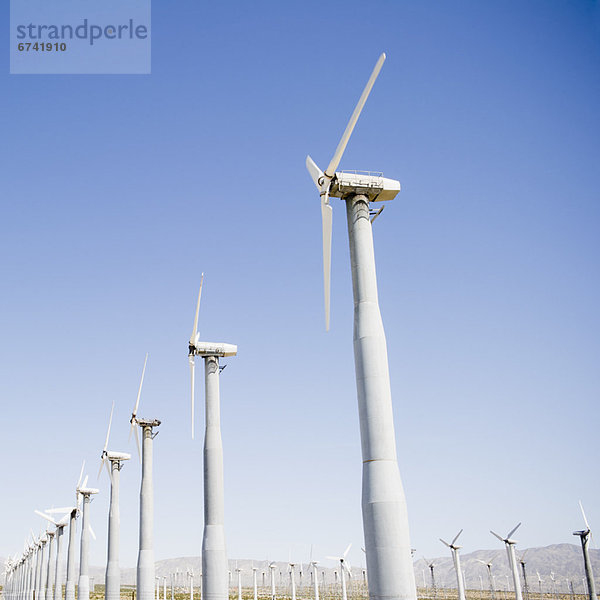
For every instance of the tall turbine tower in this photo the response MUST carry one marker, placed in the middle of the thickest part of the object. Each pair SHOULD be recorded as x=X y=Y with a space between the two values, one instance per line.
x=512 y=559
x=58 y=572
x=112 y=580
x=343 y=570
x=456 y=558
x=431 y=566
x=214 y=555
x=385 y=519
x=145 y=564
x=584 y=536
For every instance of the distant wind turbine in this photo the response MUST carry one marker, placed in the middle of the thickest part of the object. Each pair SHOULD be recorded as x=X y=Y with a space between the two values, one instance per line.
x=344 y=568
x=456 y=558
x=512 y=560
x=488 y=565
x=584 y=536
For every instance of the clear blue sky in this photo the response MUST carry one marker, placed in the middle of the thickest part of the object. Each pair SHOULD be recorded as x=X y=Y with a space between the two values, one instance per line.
x=118 y=191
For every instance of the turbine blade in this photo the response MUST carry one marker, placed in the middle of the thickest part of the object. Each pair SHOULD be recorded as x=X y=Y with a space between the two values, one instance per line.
x=84 y=482
x=347 y=550
x=193 y=377
x=195 y=330
x=137 y=402
x=327 y=220
x=498 y=536
x=91 y=532
x=109 y=424
x=444 y=542
x=61 y=510
x=45 y=516
x=510 y=534
x=456 y=537
x=81 y=473
x=339 y=151
x=315 y=173
x=587 y=525
x=101 y=466
x=137 y=443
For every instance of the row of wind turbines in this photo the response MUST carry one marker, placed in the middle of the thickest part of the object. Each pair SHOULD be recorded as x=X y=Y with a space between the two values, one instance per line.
x=510 y=545
x=385 y=520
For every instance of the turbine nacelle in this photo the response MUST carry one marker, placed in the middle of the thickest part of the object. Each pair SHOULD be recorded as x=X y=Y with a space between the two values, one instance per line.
x=373 y=185
x=110 y=455
x=86 y=491
x=213 y=349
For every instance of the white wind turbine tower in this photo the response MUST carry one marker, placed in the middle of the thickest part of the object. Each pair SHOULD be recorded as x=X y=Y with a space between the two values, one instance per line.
x=344 y=568
x=292 y=567
x=584 y=536
x=512 y=559
x=214 y=554
x=83 y=588
x=456 y=558
x=313 y=564
x=272 y=567
x=385 y=519
x=145 y=564
x=488 y=565
x=112 y=579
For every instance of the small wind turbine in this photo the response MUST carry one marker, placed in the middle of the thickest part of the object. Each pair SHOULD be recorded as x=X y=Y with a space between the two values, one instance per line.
x=313 y=564
x=344 y=568
x=272 y=567
x=584 y=536
x=512 y=560
x=292 y=567
x=431 y=566
x=112 y=579
x=83 y=589
x=385 y=519
x=214 y=555
x=488 y=565
x=145 y=564
x=524 y=573
x=456 y=558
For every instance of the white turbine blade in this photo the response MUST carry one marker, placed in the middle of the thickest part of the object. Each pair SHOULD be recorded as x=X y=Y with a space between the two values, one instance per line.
x=195 y=330
x=333 y=557
x=510 y=534
x=587 y=525
x=45 y=516
x=137 y=443
x=315 y=173
x=109 y=424
x=456 y=537
x=137 y=402
x=64 y=520
x=102 y=461
x=444 y=542
x=81 y=473
x=327 y=219
x=108 y=470
x=91 y=532
x=193 y=377
x=347 y=550
x=84 y=482
x=61 y=510
x=339 y=151
x=498 y=536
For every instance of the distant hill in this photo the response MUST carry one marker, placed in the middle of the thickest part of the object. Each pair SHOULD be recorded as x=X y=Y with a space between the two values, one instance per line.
x=565 y=560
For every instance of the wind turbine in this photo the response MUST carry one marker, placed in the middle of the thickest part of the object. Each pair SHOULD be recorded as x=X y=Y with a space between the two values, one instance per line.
x=524 y=573
x=488 y=565
x=291 y=567
x=512 y=560
x=456 y=558
x=272 y=567
x=313 y=564
x=145 y=564
x=83 y=589
x=540 y=581
x=385 y=519
x=584 y=536
x=214 y=554
x=112 y=578
x=431 y=566
x=344 y=568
